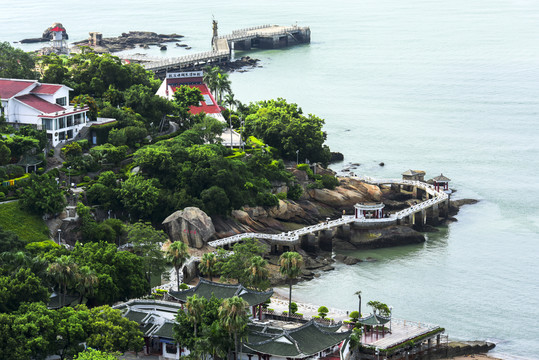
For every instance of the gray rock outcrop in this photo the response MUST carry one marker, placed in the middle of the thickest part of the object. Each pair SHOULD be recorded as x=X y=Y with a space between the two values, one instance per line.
x=191 y=226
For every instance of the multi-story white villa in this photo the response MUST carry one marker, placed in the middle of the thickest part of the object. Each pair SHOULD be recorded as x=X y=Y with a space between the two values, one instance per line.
x=46 y=106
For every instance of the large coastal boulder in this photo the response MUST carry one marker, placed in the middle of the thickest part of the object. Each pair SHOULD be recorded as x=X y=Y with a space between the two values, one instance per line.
x=191 y=226
x=286 y=210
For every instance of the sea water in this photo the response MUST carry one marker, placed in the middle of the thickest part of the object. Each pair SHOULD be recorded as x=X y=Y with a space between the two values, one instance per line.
x=446 y=87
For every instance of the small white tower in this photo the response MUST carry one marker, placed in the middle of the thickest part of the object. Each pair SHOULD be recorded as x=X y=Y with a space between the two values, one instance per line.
x=58 y=43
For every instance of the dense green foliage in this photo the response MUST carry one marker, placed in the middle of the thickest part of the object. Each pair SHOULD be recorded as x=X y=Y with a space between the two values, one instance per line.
x=244 y=264
x=202 y=175
x=23 y=286
x=15 y=63
x=35 y=332
x=42 y=196
x=147 y=242
x=210 y=337
x=284 y=126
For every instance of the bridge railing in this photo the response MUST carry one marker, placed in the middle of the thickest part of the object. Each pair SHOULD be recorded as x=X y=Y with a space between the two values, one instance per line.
x=244 y=35
x=293 y=236
x=251 y=28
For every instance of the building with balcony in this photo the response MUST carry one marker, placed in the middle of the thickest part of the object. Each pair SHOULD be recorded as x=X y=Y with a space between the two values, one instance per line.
x=45 y=106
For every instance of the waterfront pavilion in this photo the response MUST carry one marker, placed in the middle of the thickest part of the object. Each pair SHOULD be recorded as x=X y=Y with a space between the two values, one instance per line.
x=441 y=182
x=418 y=175
x=369 y=210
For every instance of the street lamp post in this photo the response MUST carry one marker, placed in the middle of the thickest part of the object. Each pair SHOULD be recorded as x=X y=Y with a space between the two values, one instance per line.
x=69 y=177
x=230 y=121
x=390 y=317
x=378 y=353
x=297 y=157
x=59 y=233
x=241 y=135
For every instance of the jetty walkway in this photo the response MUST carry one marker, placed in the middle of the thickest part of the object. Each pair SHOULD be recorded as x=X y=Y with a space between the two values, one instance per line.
x=264 y=37
x=436 y=200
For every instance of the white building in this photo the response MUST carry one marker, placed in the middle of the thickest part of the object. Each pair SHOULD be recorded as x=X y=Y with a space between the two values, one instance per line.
x=46 y=106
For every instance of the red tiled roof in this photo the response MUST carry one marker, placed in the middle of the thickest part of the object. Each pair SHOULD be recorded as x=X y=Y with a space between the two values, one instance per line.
x=207 y=108
x=48 y=89
x=10 y=88
x=39 y=104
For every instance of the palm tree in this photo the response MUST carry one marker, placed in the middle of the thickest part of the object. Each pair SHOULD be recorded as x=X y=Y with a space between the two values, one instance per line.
x=358 y=293
x=355 y=339
x=233 y=318
x=63 y=271
x=210 y=76
x=230 y=100
x=290 y=266
x=177 y=254
x=374 y=305
x=207 y=264
x=86 y=281
x=258 y=273
x=195 y=307
x=222 y=85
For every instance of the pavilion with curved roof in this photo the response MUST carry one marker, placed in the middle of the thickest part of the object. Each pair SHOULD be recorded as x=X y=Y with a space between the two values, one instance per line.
x=207 y=289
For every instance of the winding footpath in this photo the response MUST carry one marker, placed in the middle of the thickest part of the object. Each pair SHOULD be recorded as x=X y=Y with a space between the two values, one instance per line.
x=293 y=237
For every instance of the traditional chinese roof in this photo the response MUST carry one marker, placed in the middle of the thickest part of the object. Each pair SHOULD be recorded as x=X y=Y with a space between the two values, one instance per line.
x=54 y=300
x=29 y=160
x=39 y=104
x=206 y=289
x=165 y=331
x=11 y=87
x=374 y=319
x=304 y=341
x=57 y=28
x=413 y=172
x=155 y=317
x=441 y=178
x=46 y=89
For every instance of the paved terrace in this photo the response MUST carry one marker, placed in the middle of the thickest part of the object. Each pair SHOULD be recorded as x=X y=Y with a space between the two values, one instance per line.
x=293 y=237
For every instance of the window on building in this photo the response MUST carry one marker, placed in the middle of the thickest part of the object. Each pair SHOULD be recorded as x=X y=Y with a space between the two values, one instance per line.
x=61 y=101
x=69 y=134
x=69 y=120
x=61 y=123
x=46 y=124
x=77 y=119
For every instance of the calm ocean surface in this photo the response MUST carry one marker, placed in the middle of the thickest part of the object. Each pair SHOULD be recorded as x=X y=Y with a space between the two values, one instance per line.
x=441 y=86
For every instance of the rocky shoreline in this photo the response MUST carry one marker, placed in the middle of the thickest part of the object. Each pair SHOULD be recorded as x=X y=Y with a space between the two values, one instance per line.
x=315 y=206
x=132 y=40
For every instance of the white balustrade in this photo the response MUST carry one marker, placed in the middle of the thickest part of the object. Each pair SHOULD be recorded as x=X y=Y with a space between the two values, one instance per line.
x=293 y=236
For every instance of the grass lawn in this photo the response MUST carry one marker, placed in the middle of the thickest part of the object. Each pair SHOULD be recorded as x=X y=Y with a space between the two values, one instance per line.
x=28 y=227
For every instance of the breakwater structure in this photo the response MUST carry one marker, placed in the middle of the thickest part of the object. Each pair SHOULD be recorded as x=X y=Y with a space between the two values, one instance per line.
x=261 y=37
x=366 y=216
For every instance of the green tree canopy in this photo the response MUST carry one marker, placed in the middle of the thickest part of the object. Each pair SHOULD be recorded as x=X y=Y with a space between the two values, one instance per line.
x=283 y=126
x=42 y=196
x=15 y=63
x=147 y=242
x=25 y=286
x=139 y=196
x=110 y=331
